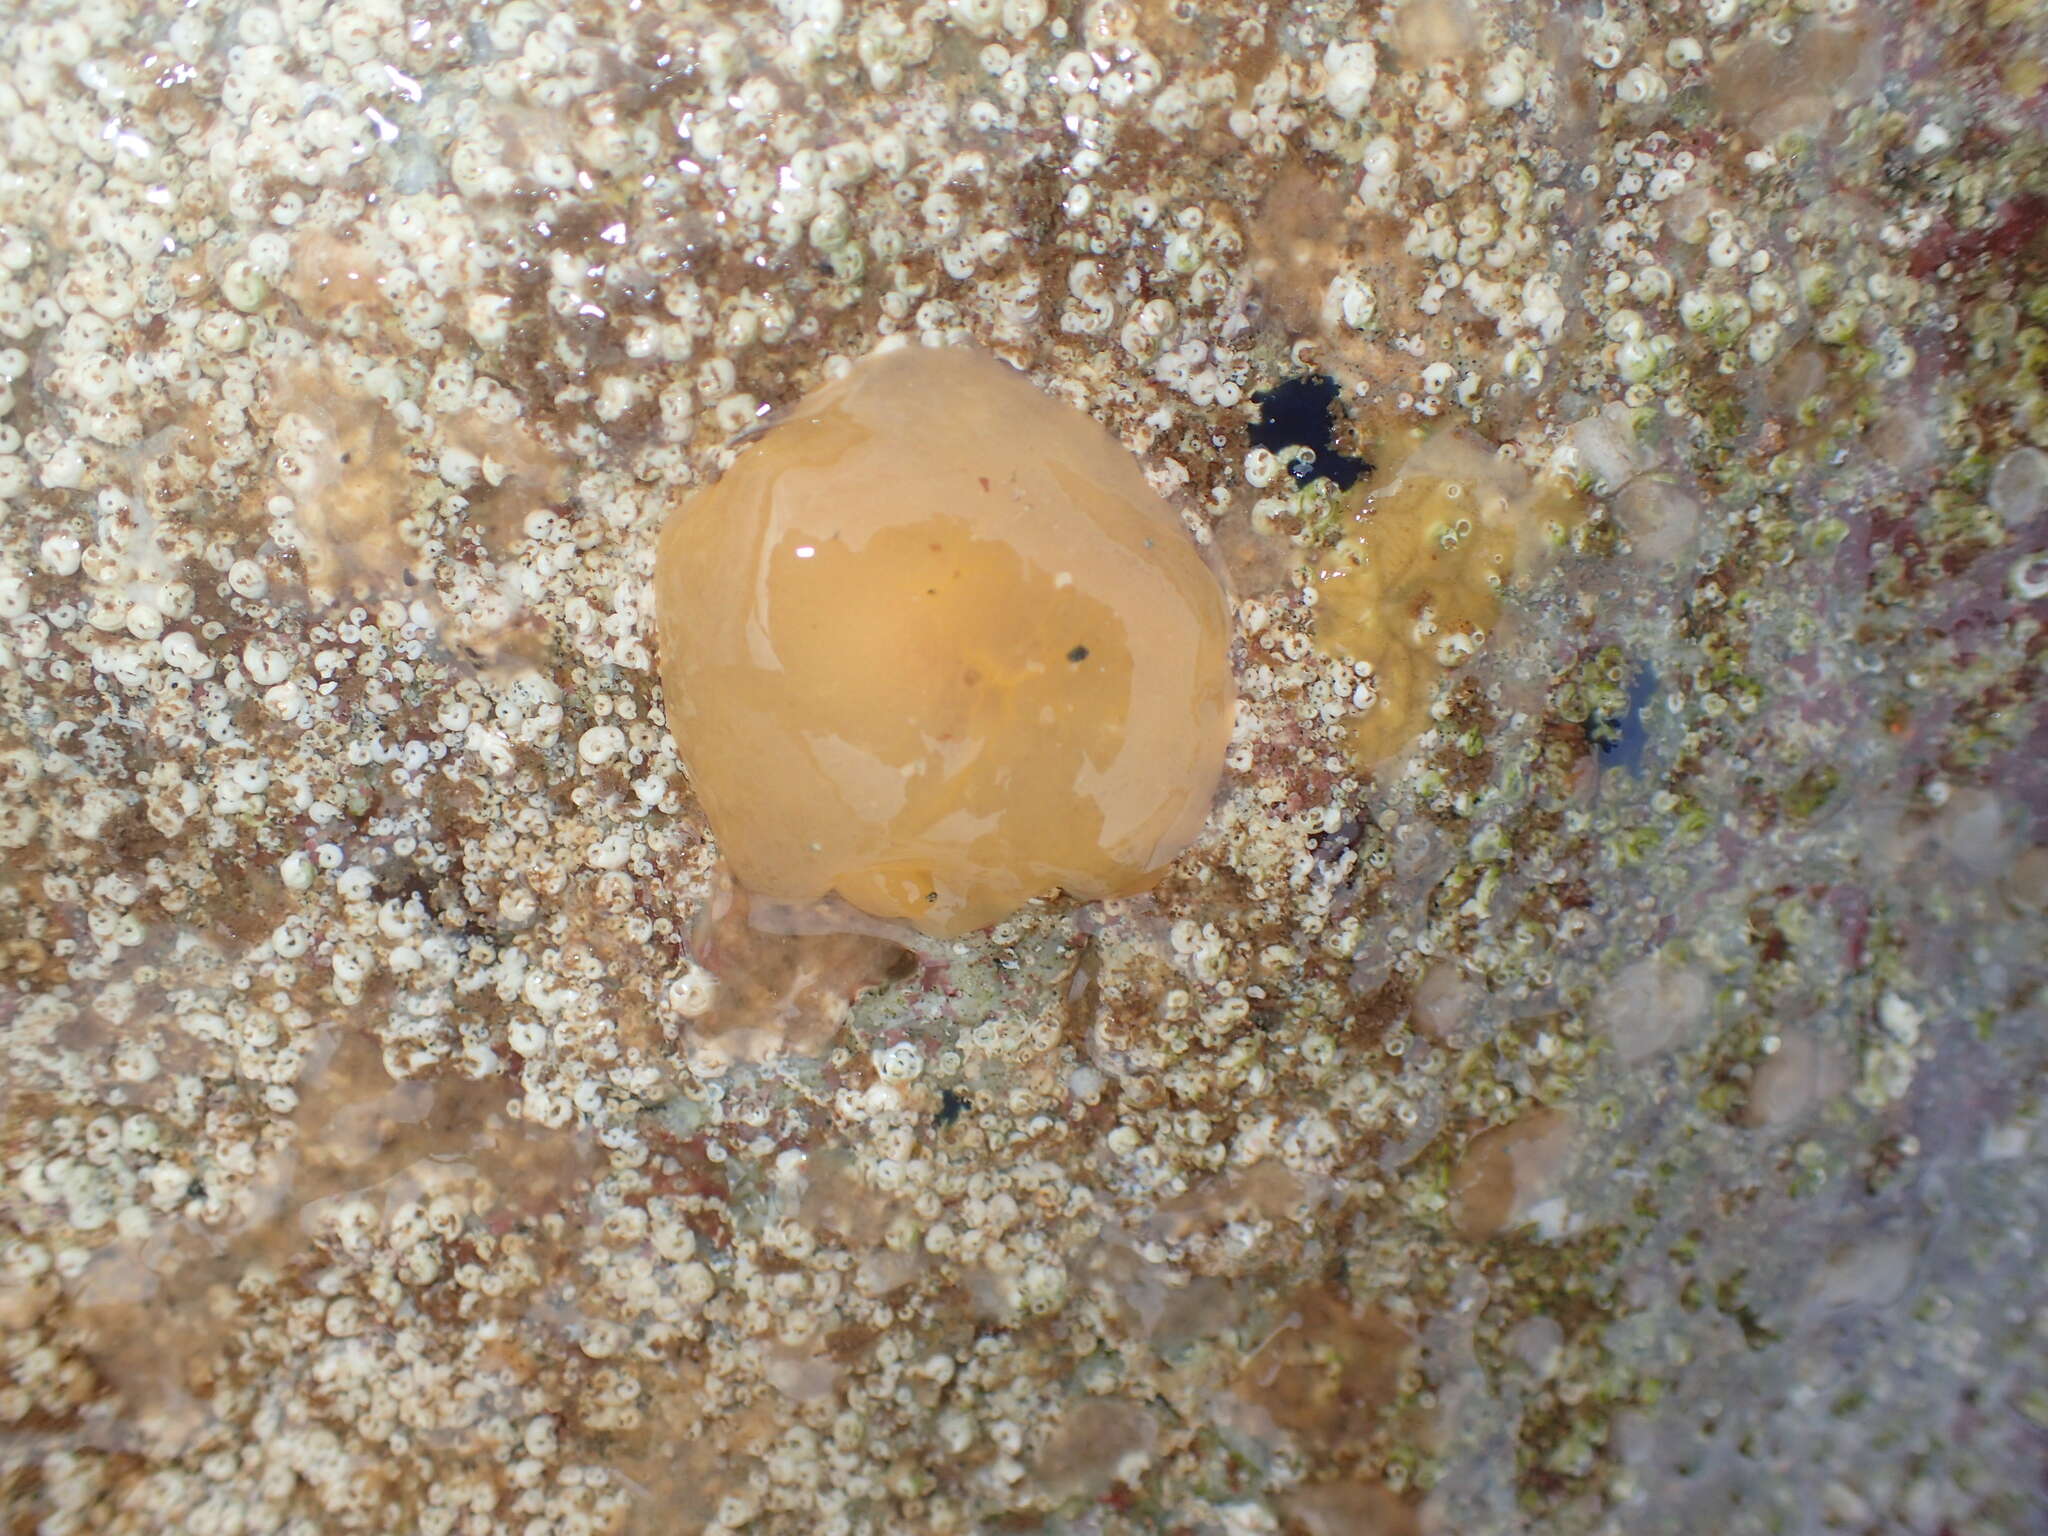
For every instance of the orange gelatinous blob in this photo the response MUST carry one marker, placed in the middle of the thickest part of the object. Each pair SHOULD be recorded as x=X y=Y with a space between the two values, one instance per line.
x=935 y=644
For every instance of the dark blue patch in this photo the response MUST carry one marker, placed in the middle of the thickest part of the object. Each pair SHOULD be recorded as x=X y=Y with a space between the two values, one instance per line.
x=1296 y=413
x=1622 y=738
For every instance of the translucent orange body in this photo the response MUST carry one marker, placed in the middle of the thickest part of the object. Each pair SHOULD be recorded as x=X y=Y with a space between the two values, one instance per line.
x=935 y=644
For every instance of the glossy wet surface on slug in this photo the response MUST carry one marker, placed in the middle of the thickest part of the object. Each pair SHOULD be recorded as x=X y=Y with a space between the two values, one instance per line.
x=935 y=644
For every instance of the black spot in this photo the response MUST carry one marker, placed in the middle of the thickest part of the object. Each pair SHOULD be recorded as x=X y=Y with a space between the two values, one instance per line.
x=1296 y=413
x=1078 y=653
x=951 y=1105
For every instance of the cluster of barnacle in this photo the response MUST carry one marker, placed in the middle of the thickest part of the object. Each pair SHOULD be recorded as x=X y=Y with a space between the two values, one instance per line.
x=341 y=740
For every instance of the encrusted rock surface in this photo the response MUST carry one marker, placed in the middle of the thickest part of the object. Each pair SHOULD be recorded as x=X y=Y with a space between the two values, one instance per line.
x=1618 y=1111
